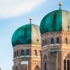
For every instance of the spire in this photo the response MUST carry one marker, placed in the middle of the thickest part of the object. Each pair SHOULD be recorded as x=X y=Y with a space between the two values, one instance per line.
x=60 y=4
x=30 y=19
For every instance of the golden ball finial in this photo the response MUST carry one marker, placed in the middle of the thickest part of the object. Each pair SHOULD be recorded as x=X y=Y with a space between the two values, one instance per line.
x=60 y=4
x=30 y=18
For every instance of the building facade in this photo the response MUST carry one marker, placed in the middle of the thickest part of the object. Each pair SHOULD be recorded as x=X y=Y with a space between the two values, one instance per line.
x=26 y=42
x=55 y=34
x=44 y=48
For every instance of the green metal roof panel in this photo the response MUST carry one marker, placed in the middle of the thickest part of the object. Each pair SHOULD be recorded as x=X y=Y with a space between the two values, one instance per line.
x=36 y=36
x=65 y=21
x=53 y=21
x=53 y=51
x=24 y=34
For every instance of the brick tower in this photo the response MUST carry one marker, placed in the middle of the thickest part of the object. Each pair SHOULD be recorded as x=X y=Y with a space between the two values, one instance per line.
x=55 y=33
x=26 y=42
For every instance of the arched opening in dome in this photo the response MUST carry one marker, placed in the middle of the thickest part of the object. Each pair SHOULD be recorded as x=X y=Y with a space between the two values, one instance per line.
x=66 y=41
x=16 y=68
x=40 y=53
x=17 y=53
x=37 y=67
x=22 y=52
x=68 y=64
x=57 y=40
x=27 y=52
x=45 y=66
x=52 y=40
x=45 y=62
x=45 y=41
x=35 y=52
x=64 y=64
x=14 y=54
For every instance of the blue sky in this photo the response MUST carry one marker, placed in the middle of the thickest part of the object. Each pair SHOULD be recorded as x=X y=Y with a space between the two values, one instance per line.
x=15 y=13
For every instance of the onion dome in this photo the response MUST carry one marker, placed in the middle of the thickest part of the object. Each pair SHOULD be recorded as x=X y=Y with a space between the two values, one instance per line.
x=58 y=20
x=27 y=34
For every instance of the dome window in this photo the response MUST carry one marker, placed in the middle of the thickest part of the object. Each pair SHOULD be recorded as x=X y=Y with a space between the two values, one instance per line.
x=35 y=52
x=66 y=41
x=64 y=64
x=17 y=53
x=52 y=41
x=27 y=52
x=57 y=40
x=45 y=41
x=16 y=68
x=14 y=54
x=22 y=52
x=39 y=53
x=68 y=64
x=45 y=66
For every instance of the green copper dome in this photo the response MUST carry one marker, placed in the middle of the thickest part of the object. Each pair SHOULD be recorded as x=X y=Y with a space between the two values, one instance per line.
x=27 y=34
x=58 y=20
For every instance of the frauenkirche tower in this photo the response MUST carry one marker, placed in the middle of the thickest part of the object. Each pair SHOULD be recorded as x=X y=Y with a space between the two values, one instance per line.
x=26 y=42
x=55 y=33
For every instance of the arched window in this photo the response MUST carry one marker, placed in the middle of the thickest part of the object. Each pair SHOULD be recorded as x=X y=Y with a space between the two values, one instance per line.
x=37 y=67
x=45 y=57
x=65 y=64
x=14 y=54
x=66 y=41
x=45 y=66
x=52 y=41
x=68 y=65
x=69 y=41
x=39 y=53
x=16 y=68
x=35 y=52
x=27 y=52
x=45 y=41
x=17 y=53
x=22 y=52
x=45 y=62
x=57 y=40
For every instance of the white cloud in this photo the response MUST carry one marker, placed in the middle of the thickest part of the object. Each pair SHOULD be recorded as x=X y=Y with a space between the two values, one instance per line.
x=9 y=8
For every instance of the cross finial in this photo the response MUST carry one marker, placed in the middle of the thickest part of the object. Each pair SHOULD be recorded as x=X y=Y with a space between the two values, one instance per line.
x=60 y=4
x=30 y=19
